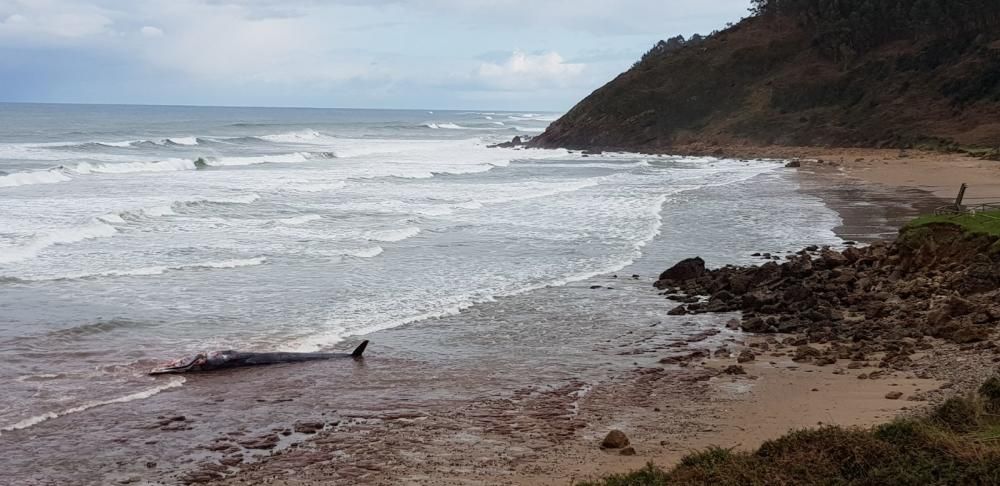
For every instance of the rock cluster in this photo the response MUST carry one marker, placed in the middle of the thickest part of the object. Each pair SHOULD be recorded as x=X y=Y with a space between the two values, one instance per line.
x=935 y=280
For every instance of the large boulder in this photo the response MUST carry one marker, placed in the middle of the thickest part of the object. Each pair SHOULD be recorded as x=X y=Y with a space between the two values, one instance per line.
x=615 y=439
x=685 y=270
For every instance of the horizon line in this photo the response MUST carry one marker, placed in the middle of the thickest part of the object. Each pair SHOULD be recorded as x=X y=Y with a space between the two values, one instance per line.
x=165 y=105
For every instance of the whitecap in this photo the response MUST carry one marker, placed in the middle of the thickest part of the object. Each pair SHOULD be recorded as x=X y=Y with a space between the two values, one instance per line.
x=168 y=165
x=447 y=126
x=127 y=143
x=182 y=141
x=393 y=235
x=304 y=136
x=34 y=177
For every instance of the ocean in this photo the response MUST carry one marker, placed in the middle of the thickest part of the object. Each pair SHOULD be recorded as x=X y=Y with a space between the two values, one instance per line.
x=131 y=235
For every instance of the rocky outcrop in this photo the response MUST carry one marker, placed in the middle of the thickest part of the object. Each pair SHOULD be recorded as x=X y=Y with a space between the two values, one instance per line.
x=684 y=270
x=936 y=280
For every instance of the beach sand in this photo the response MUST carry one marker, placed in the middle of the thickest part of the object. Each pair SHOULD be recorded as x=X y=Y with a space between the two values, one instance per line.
x=668 y=410
x=938 y=173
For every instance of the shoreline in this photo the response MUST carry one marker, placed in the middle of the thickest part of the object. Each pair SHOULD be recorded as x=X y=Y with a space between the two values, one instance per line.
x=938 y=173
x=670 y=411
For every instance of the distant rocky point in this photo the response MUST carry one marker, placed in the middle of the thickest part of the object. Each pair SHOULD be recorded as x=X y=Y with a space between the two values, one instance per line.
x=517 y=141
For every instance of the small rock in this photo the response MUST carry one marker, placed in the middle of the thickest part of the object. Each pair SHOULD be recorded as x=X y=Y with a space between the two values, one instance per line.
x=309 y=427
x=734 y=370
x=628 y=451
x=895 y=395
x=678 y=311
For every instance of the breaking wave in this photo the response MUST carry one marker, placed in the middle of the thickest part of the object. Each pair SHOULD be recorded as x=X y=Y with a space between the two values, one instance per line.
x=29 y=178
x=95 y=229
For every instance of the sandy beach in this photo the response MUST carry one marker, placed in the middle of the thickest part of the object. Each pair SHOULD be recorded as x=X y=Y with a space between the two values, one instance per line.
x=686 y=402
x=938 y=173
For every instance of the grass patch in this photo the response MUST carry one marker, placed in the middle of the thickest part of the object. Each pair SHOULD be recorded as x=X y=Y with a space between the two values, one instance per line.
x=957 y=443
x=987 y=223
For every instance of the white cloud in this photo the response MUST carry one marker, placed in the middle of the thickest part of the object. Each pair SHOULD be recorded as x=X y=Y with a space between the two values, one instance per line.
x=522 y=71
x=150 y=31
x=52 y=19
x=350 y=52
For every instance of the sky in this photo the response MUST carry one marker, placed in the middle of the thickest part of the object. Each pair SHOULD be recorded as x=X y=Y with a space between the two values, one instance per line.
x=419 y=54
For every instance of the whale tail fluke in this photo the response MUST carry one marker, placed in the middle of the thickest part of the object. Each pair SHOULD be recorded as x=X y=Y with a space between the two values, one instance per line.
x=360 y=349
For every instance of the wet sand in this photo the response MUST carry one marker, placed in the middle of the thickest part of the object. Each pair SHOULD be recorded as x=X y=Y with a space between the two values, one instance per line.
x=938 y=173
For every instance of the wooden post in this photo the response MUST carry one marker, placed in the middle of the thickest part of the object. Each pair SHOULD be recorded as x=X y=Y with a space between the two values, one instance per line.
x=961 y=196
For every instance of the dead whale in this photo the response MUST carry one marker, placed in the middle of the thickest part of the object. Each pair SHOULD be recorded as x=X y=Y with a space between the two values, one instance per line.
x=221 y=360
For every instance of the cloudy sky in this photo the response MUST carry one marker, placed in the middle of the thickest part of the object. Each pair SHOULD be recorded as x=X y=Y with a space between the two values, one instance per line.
x=461 y=54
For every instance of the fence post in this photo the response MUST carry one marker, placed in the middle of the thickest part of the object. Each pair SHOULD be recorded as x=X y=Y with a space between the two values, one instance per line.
x=961 y=196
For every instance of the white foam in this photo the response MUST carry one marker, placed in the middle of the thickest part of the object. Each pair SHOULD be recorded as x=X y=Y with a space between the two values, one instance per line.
x=250 y=262
x=242 y=199
x=394 y=235
x=37 y=419
x=183 y=140
x=168 y=165
x=158 y=211
x=319 y=187
x=34 y=177
x=304 y=136
x=329 y=338
x=364 y=252
x=156 y=270
x=96 y=229
x=127 y=143
x=293 y=158
x=298 y=220
x=533 y=117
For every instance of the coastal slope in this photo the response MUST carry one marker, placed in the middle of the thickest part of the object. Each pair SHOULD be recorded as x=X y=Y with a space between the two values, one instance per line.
x=893 y=74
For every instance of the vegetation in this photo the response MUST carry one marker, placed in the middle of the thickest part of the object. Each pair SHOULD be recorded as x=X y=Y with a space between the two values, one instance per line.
x=858 y=73
x=845 y=28
x=987 y=223
x=957 y=443
x=667 y=46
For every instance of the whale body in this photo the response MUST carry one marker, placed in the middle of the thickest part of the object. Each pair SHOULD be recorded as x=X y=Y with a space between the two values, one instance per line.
x=220 y=360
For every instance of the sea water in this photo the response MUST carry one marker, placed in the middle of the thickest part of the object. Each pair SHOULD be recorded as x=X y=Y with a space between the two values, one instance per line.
x=134 y=234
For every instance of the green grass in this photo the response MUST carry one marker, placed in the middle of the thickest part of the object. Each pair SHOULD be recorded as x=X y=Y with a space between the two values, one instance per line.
x=983 y=223
x=956 y=443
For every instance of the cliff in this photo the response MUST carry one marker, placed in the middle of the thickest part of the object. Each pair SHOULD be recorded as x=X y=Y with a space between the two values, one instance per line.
x=854 y=73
